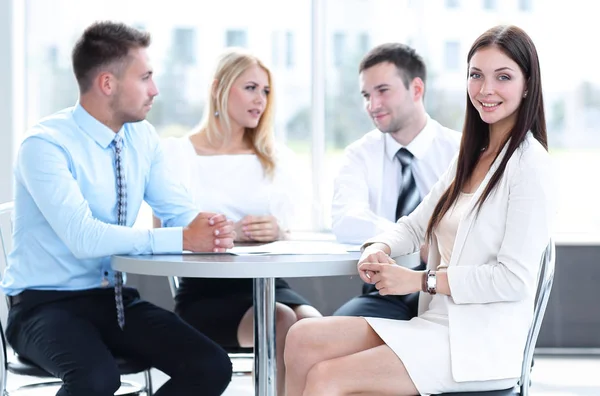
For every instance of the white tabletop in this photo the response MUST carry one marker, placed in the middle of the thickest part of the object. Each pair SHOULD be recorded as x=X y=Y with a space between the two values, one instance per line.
x=243 y=266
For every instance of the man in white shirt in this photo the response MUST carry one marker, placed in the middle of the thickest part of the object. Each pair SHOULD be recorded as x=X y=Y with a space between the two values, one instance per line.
x=388 y=171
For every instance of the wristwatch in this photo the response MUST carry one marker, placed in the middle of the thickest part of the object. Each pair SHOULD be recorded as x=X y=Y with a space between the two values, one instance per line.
x=430 y=282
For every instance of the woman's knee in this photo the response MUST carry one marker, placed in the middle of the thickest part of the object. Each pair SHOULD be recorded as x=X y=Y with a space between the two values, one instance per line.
x=306 y=311
x=285 y=318
x=299 y=342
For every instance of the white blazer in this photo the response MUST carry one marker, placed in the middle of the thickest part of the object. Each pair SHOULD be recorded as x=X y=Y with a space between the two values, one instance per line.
x=494 y=265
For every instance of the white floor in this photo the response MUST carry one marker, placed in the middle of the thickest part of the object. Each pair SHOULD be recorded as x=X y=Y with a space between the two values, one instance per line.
x=552 y=376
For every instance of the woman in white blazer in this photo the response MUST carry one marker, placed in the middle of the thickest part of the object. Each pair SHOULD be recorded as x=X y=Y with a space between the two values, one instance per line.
x=487 y=222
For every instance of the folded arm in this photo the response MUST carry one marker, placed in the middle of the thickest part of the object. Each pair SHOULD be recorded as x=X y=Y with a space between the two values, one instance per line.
x=44 y=168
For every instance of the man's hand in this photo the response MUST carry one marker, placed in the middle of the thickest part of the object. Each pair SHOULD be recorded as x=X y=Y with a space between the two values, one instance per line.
x=209 y=232
x=258 y=228
x=391 y=278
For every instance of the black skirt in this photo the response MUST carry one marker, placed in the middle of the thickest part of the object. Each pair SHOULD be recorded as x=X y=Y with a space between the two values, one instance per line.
x=216 y=307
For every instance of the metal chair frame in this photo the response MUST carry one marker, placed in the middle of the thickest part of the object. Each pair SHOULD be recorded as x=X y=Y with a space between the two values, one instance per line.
x=545 y=282
x=7 y=364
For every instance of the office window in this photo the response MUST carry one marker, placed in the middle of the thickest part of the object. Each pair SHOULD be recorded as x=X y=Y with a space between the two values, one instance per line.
x=525 y=5
x=289 y=50
x=276 y=48
x=452 y=55
x=572 y=109
x=236 y=38
x=339 y=48
x=283 y=50
x=489 y=5
x=364 y=43
x=184 y=45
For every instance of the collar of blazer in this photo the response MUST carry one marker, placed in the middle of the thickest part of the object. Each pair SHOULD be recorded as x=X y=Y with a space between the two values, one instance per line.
x=467 y=221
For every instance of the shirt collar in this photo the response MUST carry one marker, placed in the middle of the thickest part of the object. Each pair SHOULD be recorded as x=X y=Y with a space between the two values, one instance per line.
x=419 y=145
x=99 y=132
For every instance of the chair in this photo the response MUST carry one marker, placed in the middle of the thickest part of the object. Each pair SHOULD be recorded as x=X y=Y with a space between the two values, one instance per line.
x=20 y=366
x=234 y=353
x=545 y=280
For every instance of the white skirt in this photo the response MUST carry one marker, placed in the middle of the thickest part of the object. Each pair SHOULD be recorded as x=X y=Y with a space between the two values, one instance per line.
x=423 y=346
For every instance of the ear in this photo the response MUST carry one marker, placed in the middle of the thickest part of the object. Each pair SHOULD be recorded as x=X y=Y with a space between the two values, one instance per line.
x=107 y=83
x=418 y=87
x=525 y=88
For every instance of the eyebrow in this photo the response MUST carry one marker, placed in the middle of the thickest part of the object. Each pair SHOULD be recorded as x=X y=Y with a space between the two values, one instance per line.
x=255 y=83
x=497 y=70
x=376 y=87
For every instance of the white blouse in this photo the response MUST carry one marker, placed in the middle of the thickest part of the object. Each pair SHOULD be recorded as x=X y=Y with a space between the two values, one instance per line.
x=445 y=234
x=234 y=184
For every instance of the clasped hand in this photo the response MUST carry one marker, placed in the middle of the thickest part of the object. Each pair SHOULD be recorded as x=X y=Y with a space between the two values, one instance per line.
x=376 y=267
x=209 y=232
x=257 y=228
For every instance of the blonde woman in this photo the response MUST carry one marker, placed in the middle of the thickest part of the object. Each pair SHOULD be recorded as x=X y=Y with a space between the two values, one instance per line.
x=231 y=165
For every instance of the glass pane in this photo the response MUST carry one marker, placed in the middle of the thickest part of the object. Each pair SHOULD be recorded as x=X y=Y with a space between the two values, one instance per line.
x=183 y=52
x=571 y=82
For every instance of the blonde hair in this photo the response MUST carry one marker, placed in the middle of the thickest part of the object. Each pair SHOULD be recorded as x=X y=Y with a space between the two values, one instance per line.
x=230 y=65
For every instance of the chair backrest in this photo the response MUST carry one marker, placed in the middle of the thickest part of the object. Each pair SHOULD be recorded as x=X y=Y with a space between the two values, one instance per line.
x=173 y=284
x=6 y=226
x=6 y=210
x=545 y=281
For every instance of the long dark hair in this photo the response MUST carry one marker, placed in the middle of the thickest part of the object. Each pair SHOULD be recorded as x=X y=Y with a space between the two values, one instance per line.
x=518 y=46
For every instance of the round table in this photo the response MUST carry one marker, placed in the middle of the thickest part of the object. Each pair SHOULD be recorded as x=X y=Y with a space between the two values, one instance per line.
x=263 y=269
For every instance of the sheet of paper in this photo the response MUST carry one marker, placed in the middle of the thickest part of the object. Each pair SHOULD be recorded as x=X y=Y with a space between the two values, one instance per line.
x=351 y=248
x=292 y=247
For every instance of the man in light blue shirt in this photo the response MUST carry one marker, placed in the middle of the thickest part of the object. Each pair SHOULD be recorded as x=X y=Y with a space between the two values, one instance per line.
x=81 y=176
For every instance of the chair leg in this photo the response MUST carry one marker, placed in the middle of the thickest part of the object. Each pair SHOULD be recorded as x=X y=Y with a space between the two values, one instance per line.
x=148 y=378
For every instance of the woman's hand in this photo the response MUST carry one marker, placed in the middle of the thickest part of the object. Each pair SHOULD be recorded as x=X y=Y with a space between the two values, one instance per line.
x=375 y=253
x=394 y=279
x=376 y=267
x=258 y=229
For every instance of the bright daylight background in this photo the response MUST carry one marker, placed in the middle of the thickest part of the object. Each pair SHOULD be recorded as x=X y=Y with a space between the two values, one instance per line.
x=187 y=36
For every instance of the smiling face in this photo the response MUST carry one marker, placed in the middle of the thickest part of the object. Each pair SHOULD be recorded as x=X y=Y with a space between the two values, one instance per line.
x=496 y=87
x=388 y=101
x=248 y=98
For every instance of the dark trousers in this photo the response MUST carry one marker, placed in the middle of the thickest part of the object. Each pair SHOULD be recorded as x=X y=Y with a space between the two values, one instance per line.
x=74 y=336
x=371 y=304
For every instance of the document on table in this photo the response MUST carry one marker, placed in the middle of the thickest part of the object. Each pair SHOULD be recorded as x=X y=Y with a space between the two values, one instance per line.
x=292 y=247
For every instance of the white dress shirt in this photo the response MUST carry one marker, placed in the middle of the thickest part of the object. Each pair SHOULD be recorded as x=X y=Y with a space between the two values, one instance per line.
x=367 y=186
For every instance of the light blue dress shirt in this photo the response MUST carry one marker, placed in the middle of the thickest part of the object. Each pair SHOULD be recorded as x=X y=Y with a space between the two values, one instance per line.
x=65 y=212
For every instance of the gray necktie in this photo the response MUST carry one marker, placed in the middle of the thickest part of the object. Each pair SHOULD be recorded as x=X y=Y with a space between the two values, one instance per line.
x=409 y=198
x=121 y=220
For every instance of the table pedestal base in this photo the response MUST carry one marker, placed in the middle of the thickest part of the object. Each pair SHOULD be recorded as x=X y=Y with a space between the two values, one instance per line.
x=265 y=362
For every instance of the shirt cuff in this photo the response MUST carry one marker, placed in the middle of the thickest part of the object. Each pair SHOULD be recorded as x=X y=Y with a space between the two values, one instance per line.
x=167 y=240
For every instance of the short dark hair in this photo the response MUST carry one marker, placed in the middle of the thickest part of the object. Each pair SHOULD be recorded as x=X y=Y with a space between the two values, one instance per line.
x=104 y=44
x=406 y=60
